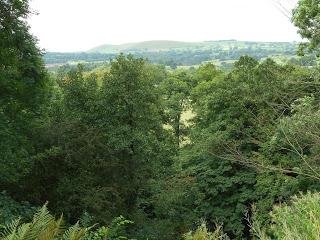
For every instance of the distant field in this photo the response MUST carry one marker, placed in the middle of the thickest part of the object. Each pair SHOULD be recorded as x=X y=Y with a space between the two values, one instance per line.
x=155 y=46
x=179 y=54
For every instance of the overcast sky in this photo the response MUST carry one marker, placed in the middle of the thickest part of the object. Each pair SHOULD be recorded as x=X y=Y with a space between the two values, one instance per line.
x=78 y=25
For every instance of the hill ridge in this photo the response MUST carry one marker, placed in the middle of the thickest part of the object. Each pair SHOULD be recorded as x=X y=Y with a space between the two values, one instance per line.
x=168 y=45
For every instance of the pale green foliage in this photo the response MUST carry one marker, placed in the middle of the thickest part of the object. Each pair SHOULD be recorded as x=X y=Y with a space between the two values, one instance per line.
x=298 y=134
x=306 y=16
x=202 y=233
x=176 y=89
x=116 y=231
x=99 y=234
x=118 y=227
x=42 y=227
x=257 y=229
x=298 y=221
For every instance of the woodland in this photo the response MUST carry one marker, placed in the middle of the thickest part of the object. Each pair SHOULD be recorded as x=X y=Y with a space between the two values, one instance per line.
x=132 y=149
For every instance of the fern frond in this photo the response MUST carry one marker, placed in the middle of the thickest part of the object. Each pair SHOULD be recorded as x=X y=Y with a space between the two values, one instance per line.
x=75 y=233
x=23 y=231
x=10 y=228
x=40 y=222
x=53 y=230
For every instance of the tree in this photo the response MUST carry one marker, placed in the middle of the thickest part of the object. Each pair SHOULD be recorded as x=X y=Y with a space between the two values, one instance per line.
x=134 y=128
x=23 y=88
x=306 y=16
x=206 y=73
x=235 y=116
x=176 y=92
x=103 y=141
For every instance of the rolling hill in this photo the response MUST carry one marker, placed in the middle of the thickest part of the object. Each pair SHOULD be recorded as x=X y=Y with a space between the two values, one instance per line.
x=150 y=46
x=164 y=45
x=174 y=53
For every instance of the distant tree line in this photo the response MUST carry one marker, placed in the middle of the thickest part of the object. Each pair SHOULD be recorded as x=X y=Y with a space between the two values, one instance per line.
x=175 y=58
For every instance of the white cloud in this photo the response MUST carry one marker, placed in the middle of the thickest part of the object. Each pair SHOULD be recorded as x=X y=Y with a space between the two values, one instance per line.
x=78 y=25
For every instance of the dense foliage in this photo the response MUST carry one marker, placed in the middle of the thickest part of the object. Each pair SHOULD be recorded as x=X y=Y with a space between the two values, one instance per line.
x=23 y=88
x=306 y=16
x=149 y=152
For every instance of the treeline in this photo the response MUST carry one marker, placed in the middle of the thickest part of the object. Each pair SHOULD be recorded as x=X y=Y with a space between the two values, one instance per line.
x=51 y=58
x=185 y=57
x=163 y=148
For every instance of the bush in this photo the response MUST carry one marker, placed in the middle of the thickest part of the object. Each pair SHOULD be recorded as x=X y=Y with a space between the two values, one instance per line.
x=42 y=226
x=11 y=210
x=202 y=233
x=297 y=220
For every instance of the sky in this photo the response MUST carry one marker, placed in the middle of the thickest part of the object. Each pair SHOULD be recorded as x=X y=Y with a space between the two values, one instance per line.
x=79 y=25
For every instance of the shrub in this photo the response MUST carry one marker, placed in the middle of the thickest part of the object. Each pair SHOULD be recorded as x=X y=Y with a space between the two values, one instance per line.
x=202 y=233
x=42 y=227
x=297 y=220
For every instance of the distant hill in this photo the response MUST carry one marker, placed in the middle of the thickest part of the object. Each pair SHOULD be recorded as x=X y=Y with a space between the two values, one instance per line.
x=147 y=46
x=222 y=53
x=164 y=45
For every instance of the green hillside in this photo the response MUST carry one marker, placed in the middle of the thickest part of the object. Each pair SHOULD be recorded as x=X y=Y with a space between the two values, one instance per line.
x=158 y=45
x=174 y=53
x=164 y=45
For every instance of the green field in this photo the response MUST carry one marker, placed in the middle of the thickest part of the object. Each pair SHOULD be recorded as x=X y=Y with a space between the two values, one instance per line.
x=163 y=45
x=177 y=54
